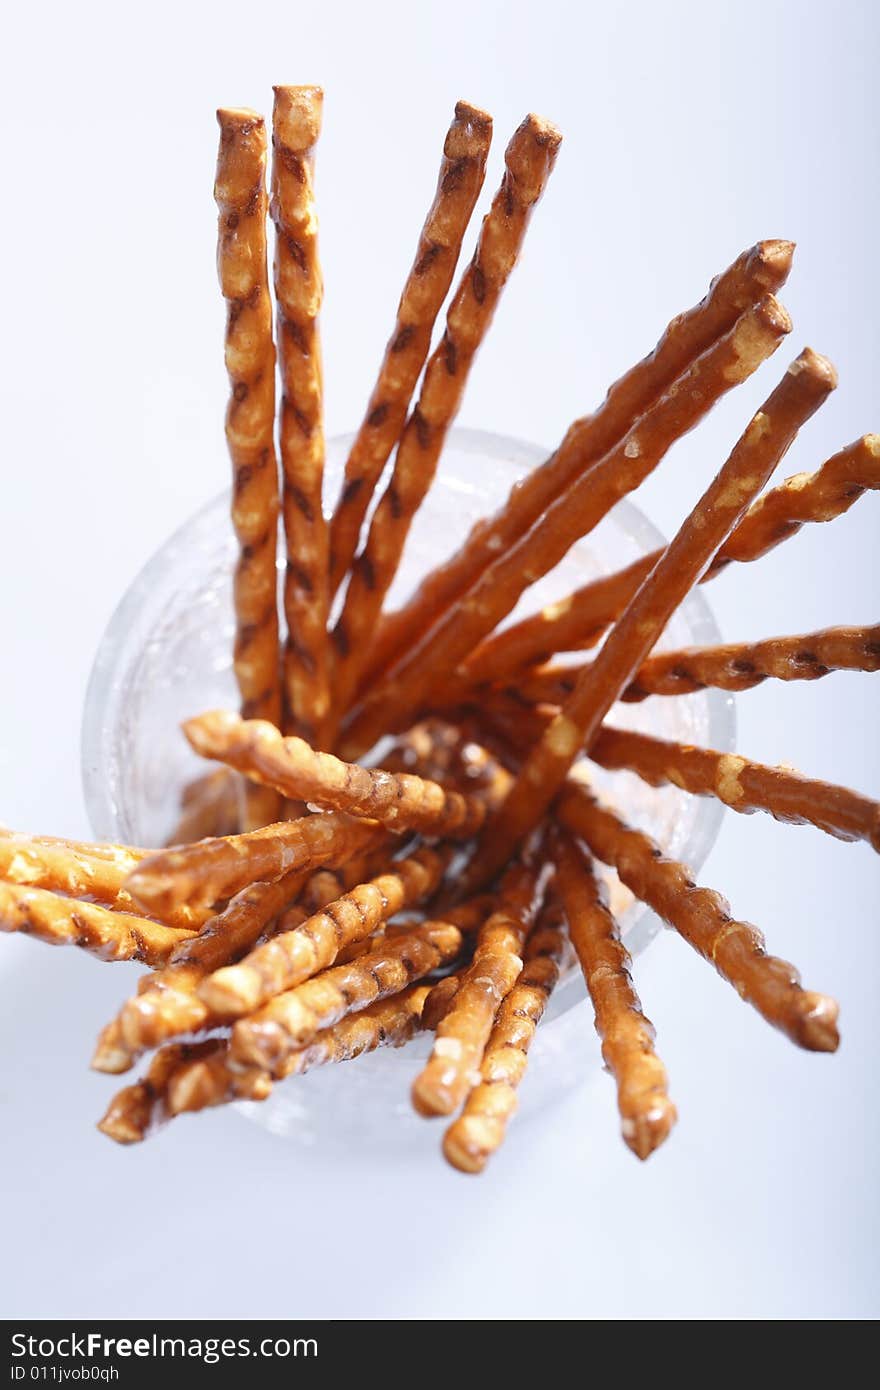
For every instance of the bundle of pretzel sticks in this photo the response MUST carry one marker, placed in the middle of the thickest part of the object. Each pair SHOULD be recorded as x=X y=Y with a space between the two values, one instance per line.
x=398 y=832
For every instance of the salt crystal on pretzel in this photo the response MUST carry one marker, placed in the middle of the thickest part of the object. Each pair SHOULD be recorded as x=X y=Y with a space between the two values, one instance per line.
x=742 y=784
x=242 y=202
x=730 y=361
x=470 y=1141
x=292 y=957
x=579 y=620
x=464 y=1030
x=702 y=917
x=529 y=160
x=461 y=177
x=210 y=871
x=401 y=801
x=759 y=271
x=296 y=125
x=99 y=930
x=291 y=1020
x=806 y=384
x=647 y=1114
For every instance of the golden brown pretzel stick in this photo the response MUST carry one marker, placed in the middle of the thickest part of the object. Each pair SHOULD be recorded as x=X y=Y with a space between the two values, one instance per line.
x=731 y=360
x=166 y=1004
x=139 y=1110
x=210 y=805
x=805 y=656
x=529 y=160
x=210 y=1081
x=470 y=1141
x=702 y=917
x=741 y=784
x=439 y=1000
x=292 y=957
x=462 y=1033
x=579 y=620
x=646 y=1112
x=759 y=271
x=102 y=932
x=401 y=801
x=461 y=177
x=806 y=384
x=296 y=125
x=212 y=870
x=242 y=203
x=291 y=1020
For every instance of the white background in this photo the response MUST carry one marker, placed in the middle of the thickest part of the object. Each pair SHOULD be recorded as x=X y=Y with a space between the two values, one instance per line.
x=690 y=132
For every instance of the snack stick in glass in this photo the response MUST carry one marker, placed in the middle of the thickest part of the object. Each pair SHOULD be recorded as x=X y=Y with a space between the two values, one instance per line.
x=646 y=1112
x=210 y=805
x=529 y=160
x=242 y=265
x=296 y=126
x=702 y=917
x=761 y=270
x=110 y=935
x=470 y=1141
x=462 y=171
x=431 y=661
x=400 y=801
x=807 y=383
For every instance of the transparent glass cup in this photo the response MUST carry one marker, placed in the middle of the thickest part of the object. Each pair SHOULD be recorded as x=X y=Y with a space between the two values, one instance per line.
x=166 y=654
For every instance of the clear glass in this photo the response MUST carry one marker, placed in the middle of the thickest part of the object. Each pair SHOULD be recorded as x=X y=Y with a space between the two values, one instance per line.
x=166 y=654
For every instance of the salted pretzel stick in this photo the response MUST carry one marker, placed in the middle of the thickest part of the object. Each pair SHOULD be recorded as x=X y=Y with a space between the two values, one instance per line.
x=702 y=917
x=759 y=271
x=291 y=1020
x=210 y=805
x=210 y=1081
x=463 y=1032
x=240 y=194
x=461 y=177
x=805 y=656
x=806 y=384
x=138 y=1111
x=439 y=1000
x=730 y=361
x=102 y=932
x=296 y=125
x=579 y=620
x=470 y=1141
x=212 y=870
x=401 y=801
x=292 y=957
x=743 y=785
x=529 y=160
x=647 y=1114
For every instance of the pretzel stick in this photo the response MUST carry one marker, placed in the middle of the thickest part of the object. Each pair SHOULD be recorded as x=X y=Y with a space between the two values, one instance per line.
x=212 y=870
x=756 y=335
x=461 y=177
x=400 y=801
x=291 y=1020
x=579 y=620
x=210 y=805
x=240 y=194
x=68 y=922
x=296 y=125
x=647 y=1114
x=529 y=160
x=702 y=917
x=439 y=1000
x=292 y=957
x=390 y=1022
x=806 y=656
x=759 y=271
x=463 y=1032
x=139 y=1110
x=806 y=384
x=743 y=785
x=470 y=1141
